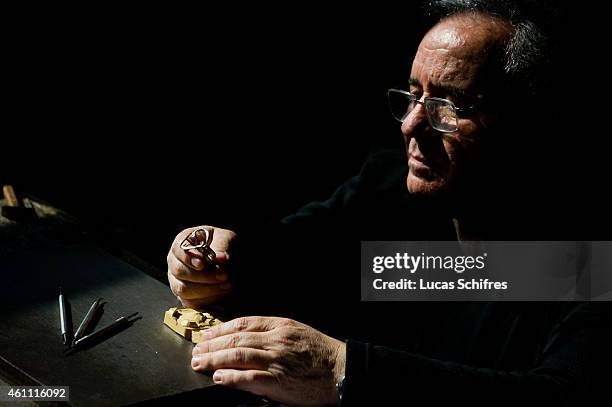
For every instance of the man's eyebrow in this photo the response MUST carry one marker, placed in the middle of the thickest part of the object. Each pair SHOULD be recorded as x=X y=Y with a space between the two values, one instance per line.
x=455 y=93
x=452 y=91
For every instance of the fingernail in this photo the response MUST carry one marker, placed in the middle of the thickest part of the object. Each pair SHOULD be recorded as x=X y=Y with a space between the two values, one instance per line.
x=218 y=376
x=195 y=262
x=195 y=361
x=221 y=276
x=226 y=286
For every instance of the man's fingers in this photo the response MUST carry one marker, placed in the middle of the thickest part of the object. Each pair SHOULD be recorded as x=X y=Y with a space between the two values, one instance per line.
x=237 y=358
x=193 y=258
x=187 y=290
x=255 y=340
x=258 y=382
x=201 y=302
x=250 y=324
x=190 y=258
x=182 y=272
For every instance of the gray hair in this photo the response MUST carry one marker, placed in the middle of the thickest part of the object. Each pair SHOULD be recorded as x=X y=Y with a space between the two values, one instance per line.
x=526 y=51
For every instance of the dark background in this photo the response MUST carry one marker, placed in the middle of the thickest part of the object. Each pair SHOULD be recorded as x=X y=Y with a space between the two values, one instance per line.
x=160 y=120
x=157 y=119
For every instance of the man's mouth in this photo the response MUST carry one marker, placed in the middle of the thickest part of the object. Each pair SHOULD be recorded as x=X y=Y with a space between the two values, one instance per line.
x=420 y=167
x=419 y=158
x=419 y=161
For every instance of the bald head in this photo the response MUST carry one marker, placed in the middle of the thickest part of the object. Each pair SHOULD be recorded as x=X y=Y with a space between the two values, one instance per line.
x=467 y=48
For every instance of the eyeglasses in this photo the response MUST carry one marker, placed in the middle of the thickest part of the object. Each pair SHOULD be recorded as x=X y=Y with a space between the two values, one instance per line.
x=441 y=113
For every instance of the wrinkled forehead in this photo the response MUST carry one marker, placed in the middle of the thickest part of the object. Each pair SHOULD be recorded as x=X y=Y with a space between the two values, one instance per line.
x=460 y=48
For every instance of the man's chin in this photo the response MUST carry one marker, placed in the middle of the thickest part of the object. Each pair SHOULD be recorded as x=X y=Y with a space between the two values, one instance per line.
x=425 y=186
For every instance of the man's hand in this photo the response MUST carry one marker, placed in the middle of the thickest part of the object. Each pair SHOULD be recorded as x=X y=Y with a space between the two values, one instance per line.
x=192 y=280
x=279 y=358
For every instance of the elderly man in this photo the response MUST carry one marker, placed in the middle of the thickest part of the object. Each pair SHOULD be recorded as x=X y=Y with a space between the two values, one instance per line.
x=452 y=116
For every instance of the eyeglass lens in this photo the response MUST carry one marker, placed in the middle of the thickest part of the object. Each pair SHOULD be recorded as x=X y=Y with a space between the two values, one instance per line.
x=441 y=114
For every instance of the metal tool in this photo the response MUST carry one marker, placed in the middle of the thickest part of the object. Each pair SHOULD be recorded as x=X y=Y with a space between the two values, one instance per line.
x=65 y=320
x=200 y=240
x=100 y=334
x=87 y=320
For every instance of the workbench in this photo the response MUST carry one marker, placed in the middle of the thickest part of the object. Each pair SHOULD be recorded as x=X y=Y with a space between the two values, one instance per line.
x=146 y=363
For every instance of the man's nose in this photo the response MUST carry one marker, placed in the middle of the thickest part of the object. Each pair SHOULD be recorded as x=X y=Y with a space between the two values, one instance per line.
x=415 y=121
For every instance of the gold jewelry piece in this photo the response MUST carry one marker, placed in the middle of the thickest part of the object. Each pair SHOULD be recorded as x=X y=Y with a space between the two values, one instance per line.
x=189 y=323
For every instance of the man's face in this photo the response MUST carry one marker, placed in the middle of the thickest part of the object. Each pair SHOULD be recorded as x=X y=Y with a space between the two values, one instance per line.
x=450 y=64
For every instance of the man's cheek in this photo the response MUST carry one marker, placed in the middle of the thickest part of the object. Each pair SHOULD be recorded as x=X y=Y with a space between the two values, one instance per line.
x=465 y=146
x=452 y=148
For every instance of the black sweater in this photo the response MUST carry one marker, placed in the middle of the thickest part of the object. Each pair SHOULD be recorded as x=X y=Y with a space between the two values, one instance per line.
x=478 y=353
